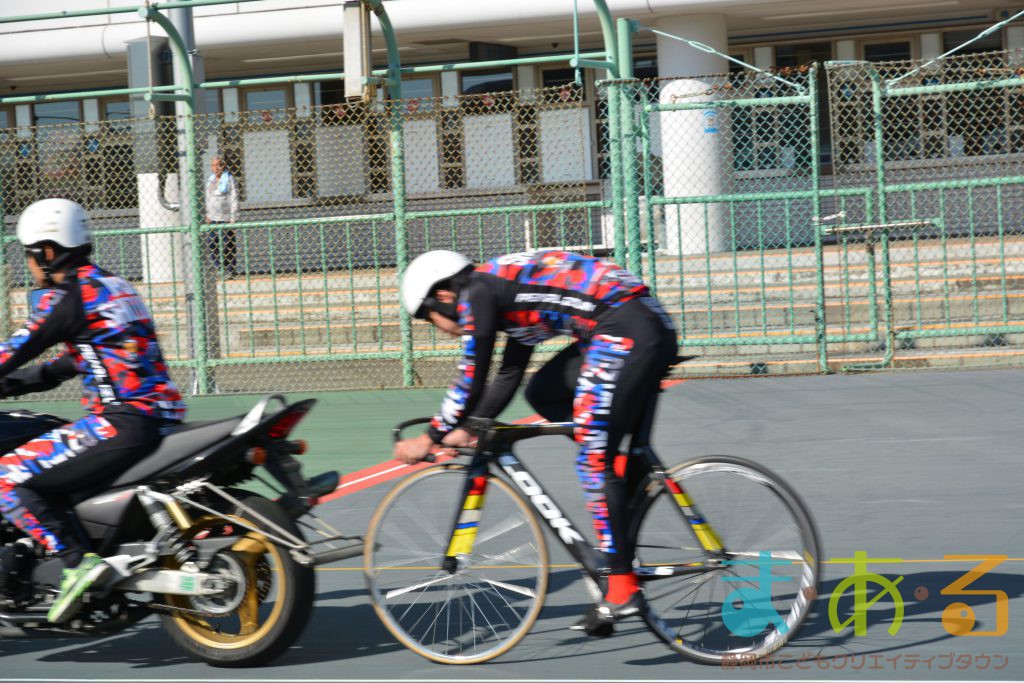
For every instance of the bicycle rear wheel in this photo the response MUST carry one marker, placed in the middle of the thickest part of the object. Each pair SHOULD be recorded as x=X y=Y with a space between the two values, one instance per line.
x=488 y=601
x=746 y=600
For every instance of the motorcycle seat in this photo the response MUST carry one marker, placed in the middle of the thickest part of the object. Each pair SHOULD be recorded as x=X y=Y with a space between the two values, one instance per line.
x=184 y=441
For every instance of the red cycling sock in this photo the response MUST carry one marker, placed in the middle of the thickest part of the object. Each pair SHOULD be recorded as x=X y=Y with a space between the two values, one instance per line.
x=621 y=588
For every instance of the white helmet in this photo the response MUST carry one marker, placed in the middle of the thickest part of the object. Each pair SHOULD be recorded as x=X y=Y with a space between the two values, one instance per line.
x=60 y=221
x=425 y=271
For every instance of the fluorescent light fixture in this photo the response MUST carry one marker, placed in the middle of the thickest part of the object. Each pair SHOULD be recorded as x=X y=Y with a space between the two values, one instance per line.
x=290 y=58
x=74 y=75
x=862 y=10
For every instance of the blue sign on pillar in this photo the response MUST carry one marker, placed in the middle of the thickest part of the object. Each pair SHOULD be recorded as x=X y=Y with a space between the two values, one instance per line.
x=710 y=121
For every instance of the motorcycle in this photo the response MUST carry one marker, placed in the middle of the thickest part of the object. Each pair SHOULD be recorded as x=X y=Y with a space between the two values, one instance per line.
x=227 y=570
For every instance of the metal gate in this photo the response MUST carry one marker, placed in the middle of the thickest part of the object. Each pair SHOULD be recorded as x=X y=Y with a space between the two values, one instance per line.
x=937 y=151
x=863 y=216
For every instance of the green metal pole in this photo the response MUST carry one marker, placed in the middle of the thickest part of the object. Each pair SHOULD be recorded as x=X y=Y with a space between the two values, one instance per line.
x=202 y=368
x=880 y=190
x=54 y=97
x=890 y=331
x=820 y=323
x=397 y=140
x=614 y=128
x=627 y=109
x=5 y=275
x=607 y=31
x=652 y=242
x=491 y=64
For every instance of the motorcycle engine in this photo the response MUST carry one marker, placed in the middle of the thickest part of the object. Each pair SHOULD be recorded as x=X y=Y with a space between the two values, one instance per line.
x=16 y=561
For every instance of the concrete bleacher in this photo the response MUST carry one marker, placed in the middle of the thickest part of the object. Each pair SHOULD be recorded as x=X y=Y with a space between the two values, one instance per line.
x=740 y=312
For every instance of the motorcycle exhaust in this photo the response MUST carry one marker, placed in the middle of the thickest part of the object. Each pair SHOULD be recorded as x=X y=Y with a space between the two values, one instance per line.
x=337 y=554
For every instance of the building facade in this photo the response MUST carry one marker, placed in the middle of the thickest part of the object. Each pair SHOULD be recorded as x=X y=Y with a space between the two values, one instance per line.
x=245 y=41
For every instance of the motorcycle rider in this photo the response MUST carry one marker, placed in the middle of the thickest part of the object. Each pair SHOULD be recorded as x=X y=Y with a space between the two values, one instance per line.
x=131 y=403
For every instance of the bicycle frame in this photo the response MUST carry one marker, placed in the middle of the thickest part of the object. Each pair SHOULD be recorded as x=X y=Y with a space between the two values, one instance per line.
x=495 y=446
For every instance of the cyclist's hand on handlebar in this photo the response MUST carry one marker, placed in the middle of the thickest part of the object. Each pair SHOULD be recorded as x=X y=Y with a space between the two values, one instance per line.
x=414 y=449
x=459 y=438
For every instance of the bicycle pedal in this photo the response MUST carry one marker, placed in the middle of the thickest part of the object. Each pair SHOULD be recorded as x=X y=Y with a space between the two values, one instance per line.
x=601 y=630
x=594 y=626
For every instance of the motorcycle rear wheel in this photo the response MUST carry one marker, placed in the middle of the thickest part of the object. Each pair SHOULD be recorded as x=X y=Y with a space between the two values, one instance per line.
x=273 y=607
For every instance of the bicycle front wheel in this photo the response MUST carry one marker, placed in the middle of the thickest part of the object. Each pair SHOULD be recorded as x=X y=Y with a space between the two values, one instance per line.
x=742 y=600
x=482 y=604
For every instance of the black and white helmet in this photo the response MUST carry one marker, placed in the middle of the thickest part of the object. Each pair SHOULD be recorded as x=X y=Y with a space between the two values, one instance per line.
x=59 y=222
x=424 y=274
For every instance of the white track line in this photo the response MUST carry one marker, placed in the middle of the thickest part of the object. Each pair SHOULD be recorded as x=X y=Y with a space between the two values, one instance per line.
x=473 y=680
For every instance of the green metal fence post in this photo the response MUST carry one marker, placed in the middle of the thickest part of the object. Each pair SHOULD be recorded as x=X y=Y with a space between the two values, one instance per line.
x=5 y=276
x=614 y=128
x=877 y=99
x=880 y=190
x=192 y=189
x=397 y=144
x=820 y=324
x=648 y=188
x=627 y=110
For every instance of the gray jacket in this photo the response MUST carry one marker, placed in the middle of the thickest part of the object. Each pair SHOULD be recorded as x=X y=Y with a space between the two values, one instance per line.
x=221 y=199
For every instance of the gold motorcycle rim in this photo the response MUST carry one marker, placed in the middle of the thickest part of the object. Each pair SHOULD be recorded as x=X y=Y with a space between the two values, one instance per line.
x=249 y=549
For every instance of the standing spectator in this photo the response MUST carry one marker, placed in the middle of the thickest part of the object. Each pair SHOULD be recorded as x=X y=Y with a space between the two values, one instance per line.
x=222 y=208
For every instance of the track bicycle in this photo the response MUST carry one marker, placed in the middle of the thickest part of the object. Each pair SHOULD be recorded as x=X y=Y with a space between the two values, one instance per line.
x=456 y=561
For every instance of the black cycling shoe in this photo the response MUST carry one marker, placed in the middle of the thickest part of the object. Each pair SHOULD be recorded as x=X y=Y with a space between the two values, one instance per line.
x=599 y=621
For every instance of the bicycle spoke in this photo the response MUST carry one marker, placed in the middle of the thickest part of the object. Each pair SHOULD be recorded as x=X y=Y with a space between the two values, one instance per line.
x=500 y=529
x=402 y=591
x=759 y=520
x=509 y=587
x=492 y=598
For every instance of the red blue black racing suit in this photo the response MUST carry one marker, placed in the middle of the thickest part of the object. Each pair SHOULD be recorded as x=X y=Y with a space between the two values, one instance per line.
x=111 y=342
x=607 y=381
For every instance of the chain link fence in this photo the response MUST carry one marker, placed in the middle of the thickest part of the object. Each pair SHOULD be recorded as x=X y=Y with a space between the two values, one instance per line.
x=722 y=180
x=943 y=269
x=727 y=178
x=299 y=290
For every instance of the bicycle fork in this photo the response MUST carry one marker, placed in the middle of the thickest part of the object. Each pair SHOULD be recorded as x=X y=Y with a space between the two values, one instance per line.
x=464 y=529
x=467 y=521
x=706 y=535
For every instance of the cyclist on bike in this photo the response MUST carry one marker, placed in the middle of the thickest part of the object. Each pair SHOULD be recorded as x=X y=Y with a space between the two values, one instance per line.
x=131 y=402
x=606 y=382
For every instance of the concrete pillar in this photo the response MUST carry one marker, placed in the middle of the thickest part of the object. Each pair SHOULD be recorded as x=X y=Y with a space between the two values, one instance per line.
x=229 y=103
x=931 y=45
x=91 y=114
x=764 y=57
x=694 y=159
x=23 y=119
x=1015 y=44
x=303 y=97
x=526 y=81
x=450 y=88
x=846 y=50
x=162 y=258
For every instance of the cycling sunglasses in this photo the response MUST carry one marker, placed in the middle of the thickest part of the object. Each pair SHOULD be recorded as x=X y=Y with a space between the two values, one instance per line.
x=36 y=253
x=423 y=313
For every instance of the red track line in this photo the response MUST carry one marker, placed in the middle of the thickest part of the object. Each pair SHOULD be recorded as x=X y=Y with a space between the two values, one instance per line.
x=392 y=469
